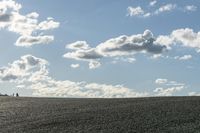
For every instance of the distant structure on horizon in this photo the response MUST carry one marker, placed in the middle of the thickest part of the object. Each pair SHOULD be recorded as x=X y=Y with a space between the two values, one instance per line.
x=17 y=94
x=3 y=94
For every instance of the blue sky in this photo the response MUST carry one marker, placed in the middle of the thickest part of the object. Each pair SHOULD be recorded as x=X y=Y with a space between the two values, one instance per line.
x=99 y=48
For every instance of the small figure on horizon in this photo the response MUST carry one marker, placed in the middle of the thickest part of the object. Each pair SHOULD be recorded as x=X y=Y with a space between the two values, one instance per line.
x=13 y=94
x=17 y=95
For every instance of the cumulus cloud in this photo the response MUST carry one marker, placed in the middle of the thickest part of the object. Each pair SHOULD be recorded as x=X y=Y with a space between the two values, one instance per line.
x=83 y=90
x=153 y=3
x=32 y=73
x=87 y=55
x=184 y=57
x=161 y=81
x=187 y=37
x=78 y=45
x=166 y=82
x=135 y=11
x=126 y=45
x=48 y=24
x=75 y=65
x=20 y=69
x=124 y=59
x=168 y=91
x=27 y=41
x=115 y=47
x=24 y=25
x=167 y=87
x=194 y=94
x=165 y=8
x=94 y=64
x=139 y=12
x=165 y=40
x=190 y=8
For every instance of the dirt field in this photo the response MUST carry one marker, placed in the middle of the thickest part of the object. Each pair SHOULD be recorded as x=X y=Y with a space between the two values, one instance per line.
x=134 y=115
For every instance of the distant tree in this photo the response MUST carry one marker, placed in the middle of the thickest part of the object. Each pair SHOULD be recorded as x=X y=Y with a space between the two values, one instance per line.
x=17 y=95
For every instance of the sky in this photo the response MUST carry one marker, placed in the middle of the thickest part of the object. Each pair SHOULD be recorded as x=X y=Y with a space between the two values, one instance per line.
x=99 y=48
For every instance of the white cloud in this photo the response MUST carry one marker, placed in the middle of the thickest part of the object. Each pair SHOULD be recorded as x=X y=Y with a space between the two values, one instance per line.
x=148 y=14
x=94 y=64
x=135 y=11
x=48 y=24
x=20 y=69
x=6 y=5
x=167 y=91
x=194 y=94
x=124 y=59
x=166 y=82
x=27 y=41
x=128 y=45
x=139 y=12
x=190 y=8
x=165 y=8
x=161 y=81
x=153 y=3
x=75 y=65
x=184 y=57
x=187 y=37
x=78 y=45
x=85 y=55
x=32 y=73
x=124 y=45
x=165 y=40
x=24 y=25
x=167 y=87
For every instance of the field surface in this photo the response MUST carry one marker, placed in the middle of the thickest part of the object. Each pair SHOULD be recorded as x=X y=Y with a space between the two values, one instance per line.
x=134 y=115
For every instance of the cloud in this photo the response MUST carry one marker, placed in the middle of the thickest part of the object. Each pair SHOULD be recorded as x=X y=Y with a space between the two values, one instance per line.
x=48 y=24
x=194 y=94
x=185 y=57
x=161 y=81
x=83 y=90
x=86 y=55
x=135 y=11
x=78 y=45
x=167 y=87
x=24 y=25
x=115 y=47
x=124 y=59
x=187 y=37
x=20 y=69
x=32 y=73
x=27 y=41
x=7 y=5
x=126 y=45
x=165 y=8
x=153 y=3
x=139 y=12
x=168 y=91
x=94 y=64
x=190 y=8
x=166 y=82
x=164 y=40
x=75 y=65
